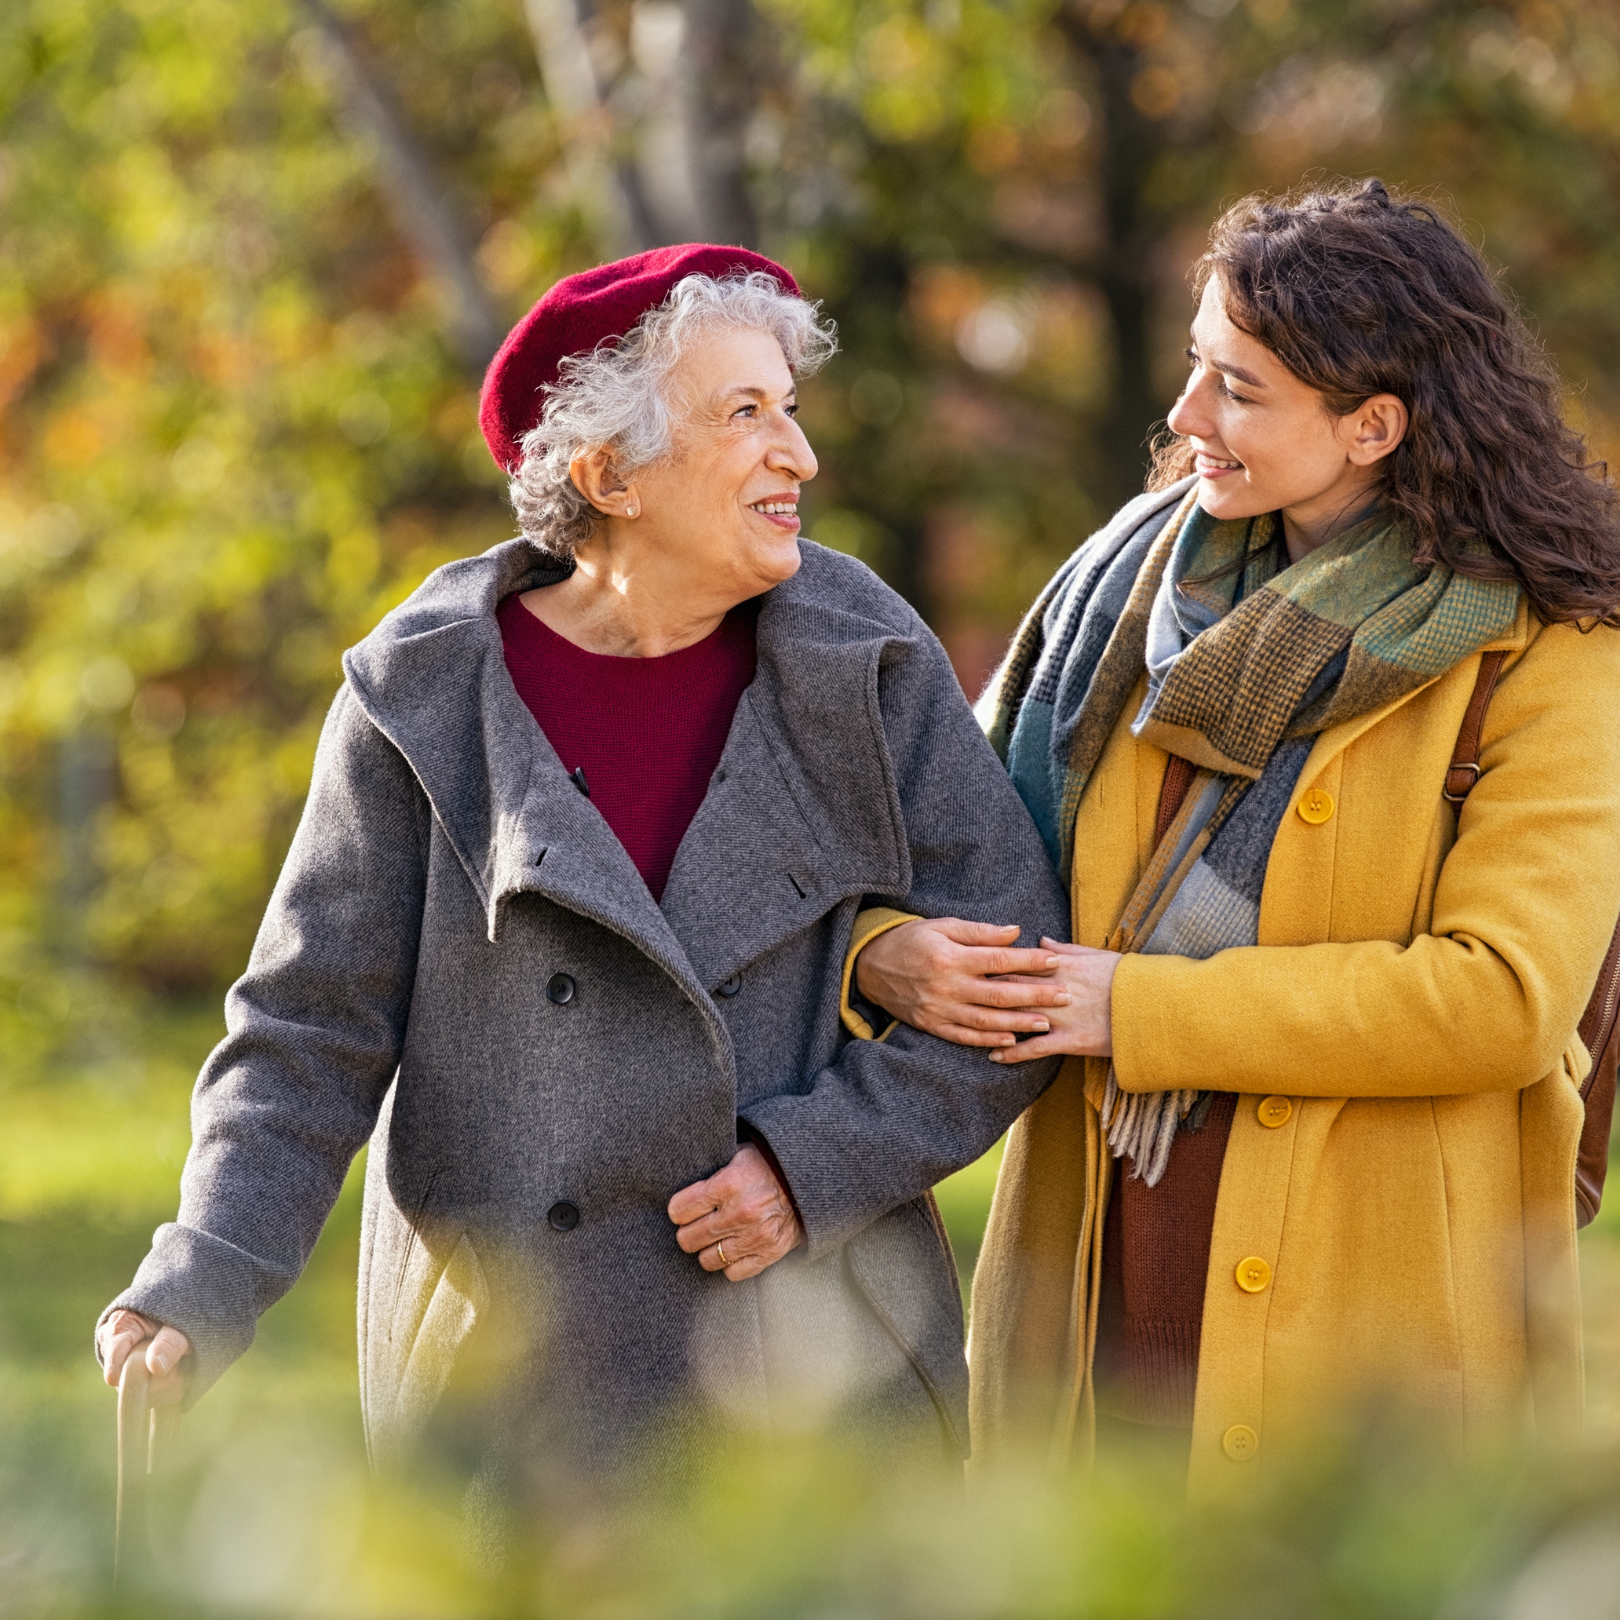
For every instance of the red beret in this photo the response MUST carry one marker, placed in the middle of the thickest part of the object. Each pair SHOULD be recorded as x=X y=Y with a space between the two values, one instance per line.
x=579 y=313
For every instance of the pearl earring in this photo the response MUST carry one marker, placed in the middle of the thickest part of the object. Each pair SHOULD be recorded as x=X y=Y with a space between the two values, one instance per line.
x=631 y=511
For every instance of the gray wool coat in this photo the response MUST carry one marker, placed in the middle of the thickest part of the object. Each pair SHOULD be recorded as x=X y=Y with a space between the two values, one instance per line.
x=461 y=964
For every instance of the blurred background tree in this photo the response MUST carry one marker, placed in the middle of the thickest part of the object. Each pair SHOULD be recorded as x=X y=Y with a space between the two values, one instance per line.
x=255 y=254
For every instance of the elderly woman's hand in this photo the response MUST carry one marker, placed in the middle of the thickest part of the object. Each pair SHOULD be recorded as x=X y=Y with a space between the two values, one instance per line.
x=740 y=1220
x=944 y=976
x=126 y=1333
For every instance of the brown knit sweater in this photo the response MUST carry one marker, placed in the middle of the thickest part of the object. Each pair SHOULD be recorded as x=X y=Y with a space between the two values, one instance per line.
x=1150 y=1311
x=1155 y=1257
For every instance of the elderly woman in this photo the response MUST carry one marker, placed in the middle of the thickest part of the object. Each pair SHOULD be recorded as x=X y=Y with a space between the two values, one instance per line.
x=562 y=934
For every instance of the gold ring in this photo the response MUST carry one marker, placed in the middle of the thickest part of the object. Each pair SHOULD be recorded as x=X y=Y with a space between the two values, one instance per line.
x=720 y=1249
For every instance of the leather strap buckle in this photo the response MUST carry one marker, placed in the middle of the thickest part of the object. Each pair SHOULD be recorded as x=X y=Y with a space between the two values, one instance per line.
x=1464 y=772
x=1455 y=792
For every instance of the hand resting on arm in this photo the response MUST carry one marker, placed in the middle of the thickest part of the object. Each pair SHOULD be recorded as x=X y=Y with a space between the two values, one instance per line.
x=960 y=980
x=965 y=982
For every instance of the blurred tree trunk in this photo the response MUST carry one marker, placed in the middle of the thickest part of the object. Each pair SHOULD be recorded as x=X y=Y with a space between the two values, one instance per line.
x=1130 y=144
x=666 y=162
x=721 y=74
x=414 y=195
x=86 y=782
x=608 y=191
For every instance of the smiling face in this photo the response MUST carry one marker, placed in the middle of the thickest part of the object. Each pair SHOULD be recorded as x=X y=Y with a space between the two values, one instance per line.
x=725 y=502
x=1265 y=441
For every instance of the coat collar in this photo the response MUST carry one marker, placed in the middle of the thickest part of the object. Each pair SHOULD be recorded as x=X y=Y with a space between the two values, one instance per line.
x=804 y=810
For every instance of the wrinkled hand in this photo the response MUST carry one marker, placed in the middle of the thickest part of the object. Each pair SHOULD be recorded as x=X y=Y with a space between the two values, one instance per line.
x=743 y=1209
x=942 y=976
x=124 y=1333
x=1085 y=1026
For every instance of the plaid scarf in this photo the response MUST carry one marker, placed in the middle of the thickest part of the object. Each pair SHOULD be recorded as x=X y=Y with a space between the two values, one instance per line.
x=1248 y=658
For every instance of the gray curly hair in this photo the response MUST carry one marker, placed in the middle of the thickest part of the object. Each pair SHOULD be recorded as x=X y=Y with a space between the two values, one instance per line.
x=620 y=395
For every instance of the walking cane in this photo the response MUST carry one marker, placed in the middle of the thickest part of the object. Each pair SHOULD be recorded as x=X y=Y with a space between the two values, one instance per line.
x=139 y=1424
x=135 y=1439
x=141 y=1428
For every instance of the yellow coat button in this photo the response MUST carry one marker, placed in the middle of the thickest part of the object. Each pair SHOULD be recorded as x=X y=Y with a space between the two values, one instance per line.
x=1253 y=1274
x=1316 y=806
x=1240 y=1442
x=1274 y=1111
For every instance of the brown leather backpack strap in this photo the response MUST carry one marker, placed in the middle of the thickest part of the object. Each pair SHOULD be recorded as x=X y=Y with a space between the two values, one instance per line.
x=1598 y=1024
x=1598 y=1035
x=1463 y=772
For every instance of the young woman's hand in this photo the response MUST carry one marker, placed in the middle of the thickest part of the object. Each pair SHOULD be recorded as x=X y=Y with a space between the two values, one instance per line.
x=944 y=976
x=1083 y=1025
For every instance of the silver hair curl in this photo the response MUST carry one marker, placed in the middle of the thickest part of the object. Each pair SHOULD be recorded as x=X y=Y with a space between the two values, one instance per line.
x=620 y=394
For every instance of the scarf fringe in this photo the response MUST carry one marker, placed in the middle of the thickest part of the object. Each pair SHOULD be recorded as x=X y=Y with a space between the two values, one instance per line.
x=1141 y=1126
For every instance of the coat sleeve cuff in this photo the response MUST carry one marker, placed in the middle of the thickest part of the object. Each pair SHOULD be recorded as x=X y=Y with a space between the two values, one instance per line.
x=747 y=1133
x=1150 y=1026
x=815 y=1183
x=205 y=1287
x=869 y=924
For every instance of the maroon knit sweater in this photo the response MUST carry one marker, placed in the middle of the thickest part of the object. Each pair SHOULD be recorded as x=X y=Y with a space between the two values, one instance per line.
x=1156 y=1240
x=647 y=732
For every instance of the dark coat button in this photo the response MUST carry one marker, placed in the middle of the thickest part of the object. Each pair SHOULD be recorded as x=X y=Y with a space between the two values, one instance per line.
x=560 y=988
x=563 y=1217
x=731 y=986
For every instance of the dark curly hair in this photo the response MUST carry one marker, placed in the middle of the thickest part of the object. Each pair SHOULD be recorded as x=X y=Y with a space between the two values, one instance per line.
x=1359 y=292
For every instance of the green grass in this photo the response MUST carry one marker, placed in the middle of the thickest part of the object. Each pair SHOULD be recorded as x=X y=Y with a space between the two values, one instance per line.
x=95 y=1130
x=266 y=1508
x=964 y=1201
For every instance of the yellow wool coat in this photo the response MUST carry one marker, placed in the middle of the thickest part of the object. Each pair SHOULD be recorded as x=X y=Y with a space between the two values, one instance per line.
x=1402 y=1039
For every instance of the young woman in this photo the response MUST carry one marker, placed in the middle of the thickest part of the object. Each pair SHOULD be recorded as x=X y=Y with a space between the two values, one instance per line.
x=1316 y=1140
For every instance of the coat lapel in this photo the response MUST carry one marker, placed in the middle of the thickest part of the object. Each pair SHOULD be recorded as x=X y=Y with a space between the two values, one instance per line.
x=803 y=811
x=432 y=677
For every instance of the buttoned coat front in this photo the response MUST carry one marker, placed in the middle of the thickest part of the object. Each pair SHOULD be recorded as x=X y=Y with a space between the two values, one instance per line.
x=461 y=963
x=1403 y=1042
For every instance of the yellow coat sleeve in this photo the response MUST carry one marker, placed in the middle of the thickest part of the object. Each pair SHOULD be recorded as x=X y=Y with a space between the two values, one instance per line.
x=868 y=925
x=1487 y=996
